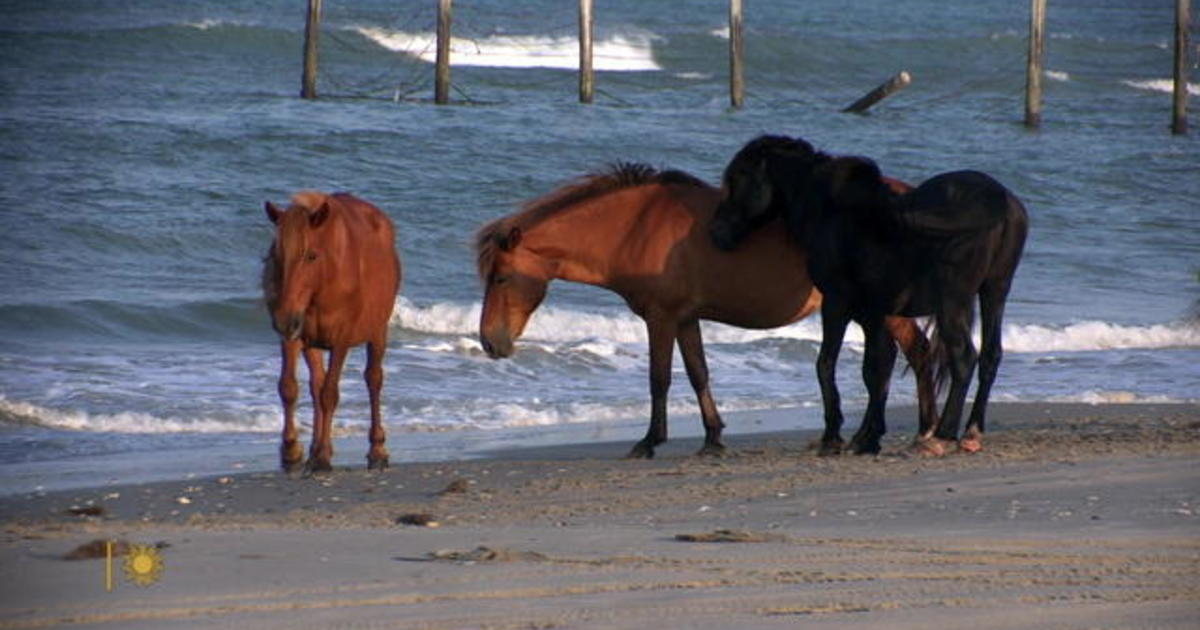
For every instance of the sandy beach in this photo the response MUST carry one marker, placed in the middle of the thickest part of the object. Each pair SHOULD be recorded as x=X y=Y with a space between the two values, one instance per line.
x=1074 y=516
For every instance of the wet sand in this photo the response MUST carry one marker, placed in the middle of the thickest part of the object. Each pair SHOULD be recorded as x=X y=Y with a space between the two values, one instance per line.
x=1073 y=516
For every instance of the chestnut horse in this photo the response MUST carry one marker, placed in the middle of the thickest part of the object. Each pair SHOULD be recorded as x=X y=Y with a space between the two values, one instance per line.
x=643 y=235
x=875 y=253
x=330 y=281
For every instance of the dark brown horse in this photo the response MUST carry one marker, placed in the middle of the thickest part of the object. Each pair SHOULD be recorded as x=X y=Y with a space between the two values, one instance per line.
x=330 y=281
x=642 y=234
x=875 y=253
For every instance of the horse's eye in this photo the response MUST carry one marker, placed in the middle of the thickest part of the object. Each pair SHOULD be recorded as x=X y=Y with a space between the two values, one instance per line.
x=499 y=280
x=310 y=256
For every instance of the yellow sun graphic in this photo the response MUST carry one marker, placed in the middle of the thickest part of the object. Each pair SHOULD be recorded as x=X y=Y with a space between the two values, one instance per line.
x=143 y=565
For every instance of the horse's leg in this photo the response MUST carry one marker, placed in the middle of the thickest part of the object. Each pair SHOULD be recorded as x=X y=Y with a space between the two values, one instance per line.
x=291 y=454
x=879 y=358
x=991 y=314
x=834 y=320
x=314 y=359
x=320 y=456
x=916 y=349
x=662 y=346
x=954 y=328
x=691 y=346
x=377 y=456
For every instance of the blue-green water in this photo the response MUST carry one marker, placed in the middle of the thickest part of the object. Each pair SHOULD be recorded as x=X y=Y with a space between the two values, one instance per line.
x=139 y=138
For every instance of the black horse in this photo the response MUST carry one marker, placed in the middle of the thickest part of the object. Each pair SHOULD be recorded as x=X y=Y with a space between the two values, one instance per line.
x=874 y=252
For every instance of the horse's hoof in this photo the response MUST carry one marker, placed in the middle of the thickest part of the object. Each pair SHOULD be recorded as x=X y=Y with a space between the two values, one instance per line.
x=870 y=447
x=928 y=447
x=712 y=450
x=317 y=467
x=292 y=467
x=641 y=450
x=379 y=463
x=830 y=449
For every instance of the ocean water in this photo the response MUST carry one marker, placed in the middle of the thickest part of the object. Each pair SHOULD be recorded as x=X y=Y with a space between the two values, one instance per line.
x=139 y=139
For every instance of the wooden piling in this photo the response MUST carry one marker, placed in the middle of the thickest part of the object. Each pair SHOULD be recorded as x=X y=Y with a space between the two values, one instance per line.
x=1033 y=71
x=885 y=89
x=312 y=28
x=587 y=77
x=441 y=84
x=737 y=84
x=1179 y=107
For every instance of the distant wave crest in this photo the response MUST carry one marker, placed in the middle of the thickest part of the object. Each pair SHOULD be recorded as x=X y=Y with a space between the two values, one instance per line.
x=622 y=52
x=1160 y=85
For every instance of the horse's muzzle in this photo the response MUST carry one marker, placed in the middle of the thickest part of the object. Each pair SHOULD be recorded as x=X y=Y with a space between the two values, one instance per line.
x=291 y=327
x=499 y=348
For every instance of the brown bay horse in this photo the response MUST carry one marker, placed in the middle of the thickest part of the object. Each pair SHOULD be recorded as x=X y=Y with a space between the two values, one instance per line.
x=643 y=235
x=877 y=252
x=330 y=281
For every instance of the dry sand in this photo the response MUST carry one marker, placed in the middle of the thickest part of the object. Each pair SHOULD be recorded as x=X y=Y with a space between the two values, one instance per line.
x=1073 y=517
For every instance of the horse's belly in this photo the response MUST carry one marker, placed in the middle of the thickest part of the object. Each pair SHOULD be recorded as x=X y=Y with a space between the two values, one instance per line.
x=765 y=308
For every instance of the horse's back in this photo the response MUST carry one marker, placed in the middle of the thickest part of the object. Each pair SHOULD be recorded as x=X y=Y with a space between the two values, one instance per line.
x=958 y=203
x=370 y=222
x=372 y=241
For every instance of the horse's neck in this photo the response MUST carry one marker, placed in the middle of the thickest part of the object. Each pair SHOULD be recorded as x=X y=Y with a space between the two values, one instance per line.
x=589 y=245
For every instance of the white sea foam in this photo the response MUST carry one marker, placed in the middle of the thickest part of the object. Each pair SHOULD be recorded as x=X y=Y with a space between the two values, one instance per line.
x=1092 y=335
x=621 y=52
x=1057 y=75
x=559 y=325
x=1160 y=85
x=18 y=412
x=1120 y=397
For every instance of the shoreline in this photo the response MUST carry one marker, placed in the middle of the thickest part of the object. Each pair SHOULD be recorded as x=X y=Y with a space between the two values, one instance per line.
x=1072 y=516
x=257 y=453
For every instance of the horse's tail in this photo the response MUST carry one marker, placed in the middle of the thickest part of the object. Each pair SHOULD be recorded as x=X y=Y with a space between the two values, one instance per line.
x=938 y=356
x=955 y=204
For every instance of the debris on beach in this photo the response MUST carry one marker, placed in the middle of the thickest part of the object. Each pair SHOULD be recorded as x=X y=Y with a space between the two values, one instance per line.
x=486 y=554
x=87 y=510
x=458 y=486
x=418 y=519
x=731 y=536
x=97 y=548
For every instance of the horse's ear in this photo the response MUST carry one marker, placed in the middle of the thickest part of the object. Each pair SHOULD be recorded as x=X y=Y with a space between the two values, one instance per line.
x=511 y=240
x=273 y=211
x=318 y=216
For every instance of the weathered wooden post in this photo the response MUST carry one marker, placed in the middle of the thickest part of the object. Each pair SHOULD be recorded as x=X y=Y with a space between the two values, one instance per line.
x=312 y=28
x=737 y=85
x=1179 y=109
x=441 y=82
x=885 y=89
x=587 y=77
x=1033 y=71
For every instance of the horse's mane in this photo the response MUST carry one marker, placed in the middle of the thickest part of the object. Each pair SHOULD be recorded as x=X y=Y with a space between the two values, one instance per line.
x=775 y=148
x=618 y=176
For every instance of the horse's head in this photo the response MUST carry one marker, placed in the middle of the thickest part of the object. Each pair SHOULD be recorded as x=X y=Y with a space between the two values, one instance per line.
x=292 y=269
x=758 y=186
x=515 y=280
